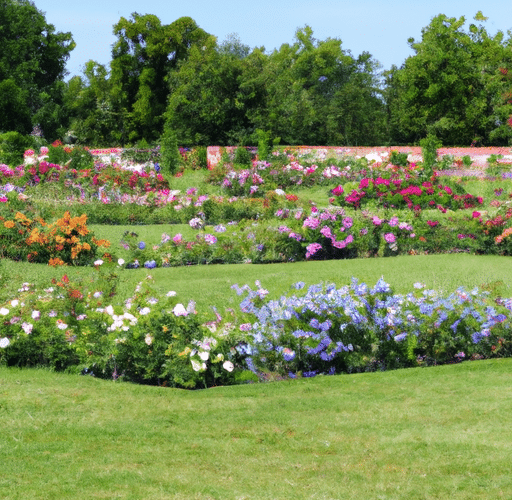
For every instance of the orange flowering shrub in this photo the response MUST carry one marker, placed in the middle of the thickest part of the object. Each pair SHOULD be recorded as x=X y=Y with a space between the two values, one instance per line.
x=66 y=241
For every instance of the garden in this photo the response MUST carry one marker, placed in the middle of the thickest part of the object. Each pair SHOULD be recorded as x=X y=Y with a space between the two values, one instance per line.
x=102 y=232
x=294 y=269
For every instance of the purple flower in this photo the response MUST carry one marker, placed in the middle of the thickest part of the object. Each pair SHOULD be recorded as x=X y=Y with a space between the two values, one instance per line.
x=150 y=264
x=142 y=245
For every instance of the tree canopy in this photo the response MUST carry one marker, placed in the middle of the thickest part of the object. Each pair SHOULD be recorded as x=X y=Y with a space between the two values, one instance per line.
x=457 y=87
x=453 y=86
x=32 y=63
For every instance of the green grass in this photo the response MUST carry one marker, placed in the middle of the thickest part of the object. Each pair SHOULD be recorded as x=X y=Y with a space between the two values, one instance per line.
x=440 y=432
x=210 y=285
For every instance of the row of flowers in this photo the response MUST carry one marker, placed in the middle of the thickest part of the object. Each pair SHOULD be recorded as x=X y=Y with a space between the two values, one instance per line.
x=324 y=329
x=405 y=192
x=335 y=233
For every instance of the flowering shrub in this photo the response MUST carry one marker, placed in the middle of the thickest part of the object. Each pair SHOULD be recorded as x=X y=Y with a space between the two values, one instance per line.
x=398 y=192
x=154 y=339
x=146 y=339
x=357 y=328
x=66 y=241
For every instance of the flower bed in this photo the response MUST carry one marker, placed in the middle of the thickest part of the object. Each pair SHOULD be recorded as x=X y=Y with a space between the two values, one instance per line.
x=327 y=330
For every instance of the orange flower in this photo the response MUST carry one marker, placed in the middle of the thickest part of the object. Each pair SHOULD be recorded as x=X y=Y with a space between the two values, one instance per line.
x=9 y=224
x=56 y=262
x=101 y=243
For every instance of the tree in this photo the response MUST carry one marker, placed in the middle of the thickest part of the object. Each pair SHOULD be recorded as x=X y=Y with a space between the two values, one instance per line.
x=32 y=62
x=144 y=54
x=317 y=93
x=452 y=87
x=204 y=103
x=90 y=106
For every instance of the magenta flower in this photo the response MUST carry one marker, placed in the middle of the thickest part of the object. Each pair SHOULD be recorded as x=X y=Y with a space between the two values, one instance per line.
x=390 y=238
x=312 y=248
x=337 y=191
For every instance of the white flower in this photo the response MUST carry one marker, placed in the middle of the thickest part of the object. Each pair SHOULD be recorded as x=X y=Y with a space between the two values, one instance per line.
x=373 y=156
x=61 y=325
x=228 y=366
x=14 y=303
x=109 y=310
x=4 y=342
x=4 y=311
x=204 y=355
x=98 y=262
x=120 y=262
x=27 y=328
x=97 y=295
x=279 y=192
x=148 y=339
x=131 y=318
x=179 y=310
x=171 y=293
x=36 y=314
x=144 y=311
x=196 y=366
x=219 y=357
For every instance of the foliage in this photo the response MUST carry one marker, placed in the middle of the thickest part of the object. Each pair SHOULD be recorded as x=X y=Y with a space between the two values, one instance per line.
x=32 y=66
x=170 y=157
x=143 y=55
x=453 y=86
x=13 y=145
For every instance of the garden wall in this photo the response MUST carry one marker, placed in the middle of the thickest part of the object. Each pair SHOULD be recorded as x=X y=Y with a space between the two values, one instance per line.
x=478 y=155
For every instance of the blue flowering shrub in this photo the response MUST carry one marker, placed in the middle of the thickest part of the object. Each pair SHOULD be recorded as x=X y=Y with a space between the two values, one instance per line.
x=358 y=328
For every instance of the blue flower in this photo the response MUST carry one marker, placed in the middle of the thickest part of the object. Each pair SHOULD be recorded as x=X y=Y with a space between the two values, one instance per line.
x=150 y=264
x=142 y=245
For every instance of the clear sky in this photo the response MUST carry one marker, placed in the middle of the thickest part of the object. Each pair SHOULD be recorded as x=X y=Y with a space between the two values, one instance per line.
x=378 y=27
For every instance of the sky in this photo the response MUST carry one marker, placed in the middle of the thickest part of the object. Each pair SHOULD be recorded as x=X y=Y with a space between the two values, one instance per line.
x=381 y=28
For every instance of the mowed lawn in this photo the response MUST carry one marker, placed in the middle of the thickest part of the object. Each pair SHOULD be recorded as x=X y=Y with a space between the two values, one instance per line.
x=423 y=433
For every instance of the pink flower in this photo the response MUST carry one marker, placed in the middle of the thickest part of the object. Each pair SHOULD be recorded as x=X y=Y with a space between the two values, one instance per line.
x=476 y=214
x=326 y=231
x=390 y=238
x=312 y=248
x=178 y=239
x=337 y=191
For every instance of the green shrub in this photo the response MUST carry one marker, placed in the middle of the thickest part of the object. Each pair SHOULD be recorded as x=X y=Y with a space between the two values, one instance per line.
x=12 y=147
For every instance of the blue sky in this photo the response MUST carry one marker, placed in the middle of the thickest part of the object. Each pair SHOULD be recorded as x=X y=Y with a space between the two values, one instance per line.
x=378 y=27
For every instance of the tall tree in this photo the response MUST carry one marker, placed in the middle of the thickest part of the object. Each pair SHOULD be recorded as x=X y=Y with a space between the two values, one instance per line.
x=32 y=64
x=145 y=52
x=317 y=93
x=453 y=86
x=204 y=102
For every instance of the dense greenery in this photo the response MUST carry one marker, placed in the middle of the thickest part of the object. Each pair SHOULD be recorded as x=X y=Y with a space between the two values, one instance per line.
x=177 y=78
x=32 y=67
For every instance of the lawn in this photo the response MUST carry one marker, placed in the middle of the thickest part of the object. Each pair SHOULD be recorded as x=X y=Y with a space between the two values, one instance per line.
x=441 y=432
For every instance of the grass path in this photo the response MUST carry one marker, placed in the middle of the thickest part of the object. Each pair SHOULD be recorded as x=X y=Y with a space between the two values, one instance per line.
x=210 y=285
